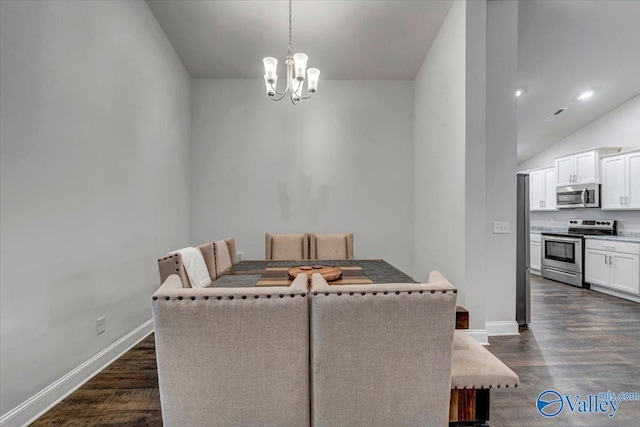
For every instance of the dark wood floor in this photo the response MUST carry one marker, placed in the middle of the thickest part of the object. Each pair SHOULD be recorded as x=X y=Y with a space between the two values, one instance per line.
x=579 y=342
x=124 y=394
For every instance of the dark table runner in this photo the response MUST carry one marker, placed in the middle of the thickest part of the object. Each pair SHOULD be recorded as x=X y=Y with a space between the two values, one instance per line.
x=247 y=273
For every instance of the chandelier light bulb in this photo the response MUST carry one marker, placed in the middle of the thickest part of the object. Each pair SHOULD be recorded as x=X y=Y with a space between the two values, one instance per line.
x=313 y=75
x=296 y=90
x=270 y=86
x=300 y=65
x=270 y=67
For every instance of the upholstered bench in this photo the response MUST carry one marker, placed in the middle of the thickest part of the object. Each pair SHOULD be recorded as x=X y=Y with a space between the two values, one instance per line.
x=475 y=371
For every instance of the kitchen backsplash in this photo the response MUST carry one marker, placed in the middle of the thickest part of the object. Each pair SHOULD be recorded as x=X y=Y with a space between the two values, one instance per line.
x=628 y=221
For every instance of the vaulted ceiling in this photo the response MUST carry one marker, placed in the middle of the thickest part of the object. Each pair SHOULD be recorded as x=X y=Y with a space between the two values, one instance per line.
x=346 y=40
x=565 y=47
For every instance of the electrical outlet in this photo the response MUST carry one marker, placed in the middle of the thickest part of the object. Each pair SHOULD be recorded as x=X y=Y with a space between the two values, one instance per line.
x=500 y=227
x=100 y=325
x=239 y=256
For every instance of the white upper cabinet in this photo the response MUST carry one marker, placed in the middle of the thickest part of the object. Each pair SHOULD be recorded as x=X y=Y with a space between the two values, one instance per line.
x=613 y=182
x=620 y=176
x=564 y=168
x=586 y=168
x=580 y=168
x=542 y=190
x=633 y=180
x=550 y=189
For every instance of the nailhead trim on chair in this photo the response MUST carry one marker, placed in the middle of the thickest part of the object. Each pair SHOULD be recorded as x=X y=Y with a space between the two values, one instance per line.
x=244 y=297
x=482 y=387
x=455 y=291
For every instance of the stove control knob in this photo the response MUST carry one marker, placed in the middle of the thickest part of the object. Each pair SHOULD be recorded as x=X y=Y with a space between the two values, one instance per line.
x=598 y=223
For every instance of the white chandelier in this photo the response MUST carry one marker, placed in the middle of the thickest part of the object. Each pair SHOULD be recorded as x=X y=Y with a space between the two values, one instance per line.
x=296 y=67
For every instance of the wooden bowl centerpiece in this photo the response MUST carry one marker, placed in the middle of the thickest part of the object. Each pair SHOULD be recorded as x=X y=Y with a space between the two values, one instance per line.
x=330 y=273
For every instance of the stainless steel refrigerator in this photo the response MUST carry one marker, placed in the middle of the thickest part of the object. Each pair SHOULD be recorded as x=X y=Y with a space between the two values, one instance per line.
x=523 y=272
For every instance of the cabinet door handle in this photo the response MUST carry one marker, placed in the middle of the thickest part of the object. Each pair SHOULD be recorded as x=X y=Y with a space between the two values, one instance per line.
x=610 y=260
x=626 y=200
x=544 y=204
x=621 y=200
x=605 y=259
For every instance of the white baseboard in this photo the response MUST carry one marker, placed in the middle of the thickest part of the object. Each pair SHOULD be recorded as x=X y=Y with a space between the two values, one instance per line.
x=41 y=402
x=495 y=329
x=479 y=335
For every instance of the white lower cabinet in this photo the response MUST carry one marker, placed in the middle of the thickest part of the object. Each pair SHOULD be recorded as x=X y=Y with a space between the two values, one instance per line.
x=625 y=272
x=597 y=267
x=535 y=252
x=614 y=265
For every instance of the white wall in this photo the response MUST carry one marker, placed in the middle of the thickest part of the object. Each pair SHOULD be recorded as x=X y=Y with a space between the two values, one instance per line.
x=95 y=129
x=474 y=288
x=465 y=161
x=339 y=162
x=501 y=164
x=439 y=143
x=618 y=128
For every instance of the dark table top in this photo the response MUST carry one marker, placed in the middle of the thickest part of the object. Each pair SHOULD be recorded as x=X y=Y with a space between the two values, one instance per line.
x=247 y=273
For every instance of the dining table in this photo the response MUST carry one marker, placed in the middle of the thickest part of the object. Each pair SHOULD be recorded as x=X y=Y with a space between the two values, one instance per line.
x=249 y=273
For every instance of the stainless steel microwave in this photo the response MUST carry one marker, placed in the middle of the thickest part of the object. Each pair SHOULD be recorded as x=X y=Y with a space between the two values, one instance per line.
x=578 y=196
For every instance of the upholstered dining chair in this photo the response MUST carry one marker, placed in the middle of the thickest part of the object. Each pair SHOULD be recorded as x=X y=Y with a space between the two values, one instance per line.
x=331 y=246
x=381 y=354
x=218 y=256
x=173 y=263
x=224 y=254
x=286 y=246
x=233 y=356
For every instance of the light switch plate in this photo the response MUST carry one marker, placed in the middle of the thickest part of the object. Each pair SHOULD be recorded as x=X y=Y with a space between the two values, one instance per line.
x=500 y=227
x=100 y=325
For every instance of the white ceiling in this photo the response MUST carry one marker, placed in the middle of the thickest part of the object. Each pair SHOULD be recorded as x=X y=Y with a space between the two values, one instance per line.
x=346 y=40
x=564 y=48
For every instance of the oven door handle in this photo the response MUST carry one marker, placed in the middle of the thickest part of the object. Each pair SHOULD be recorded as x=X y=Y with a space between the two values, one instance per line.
x=561 y=239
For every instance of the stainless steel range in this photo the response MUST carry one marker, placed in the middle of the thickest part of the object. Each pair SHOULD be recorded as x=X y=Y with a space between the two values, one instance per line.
x=563 y=253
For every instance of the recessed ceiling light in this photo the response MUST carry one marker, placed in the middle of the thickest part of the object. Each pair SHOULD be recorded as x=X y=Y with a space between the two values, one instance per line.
x=519 y=92
x=585 y=95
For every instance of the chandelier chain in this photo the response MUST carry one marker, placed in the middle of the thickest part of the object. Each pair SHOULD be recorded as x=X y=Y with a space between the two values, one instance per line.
x=290 y=14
